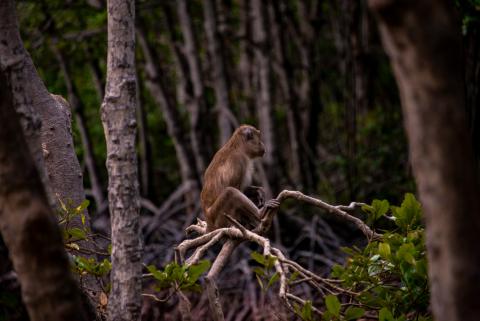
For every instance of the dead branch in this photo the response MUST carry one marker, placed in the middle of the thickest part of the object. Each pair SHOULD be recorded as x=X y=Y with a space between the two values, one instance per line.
x=283 y=266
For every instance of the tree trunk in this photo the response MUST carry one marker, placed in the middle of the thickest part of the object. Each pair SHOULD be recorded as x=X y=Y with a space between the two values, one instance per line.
x=264 y=95
x=65 y=180
x=118 y=118
x=145 y=148
x=85 y=137
x=219 y=73
x=197 y=105
x=167 y=105
x=16 y=63
x=29 y=229
x=245 y=65
x=422 y=39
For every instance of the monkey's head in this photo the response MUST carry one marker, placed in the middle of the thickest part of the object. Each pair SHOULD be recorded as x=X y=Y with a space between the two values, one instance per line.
x=251 y=141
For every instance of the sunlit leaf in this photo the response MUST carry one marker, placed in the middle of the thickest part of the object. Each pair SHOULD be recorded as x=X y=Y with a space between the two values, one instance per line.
x=333 y=305
x=354 y=313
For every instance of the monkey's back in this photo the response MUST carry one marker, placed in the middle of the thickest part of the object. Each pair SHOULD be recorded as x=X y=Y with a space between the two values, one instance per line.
x=226 y=169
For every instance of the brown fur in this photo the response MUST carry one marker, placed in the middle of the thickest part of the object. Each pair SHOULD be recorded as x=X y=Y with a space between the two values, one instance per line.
x=230 y=172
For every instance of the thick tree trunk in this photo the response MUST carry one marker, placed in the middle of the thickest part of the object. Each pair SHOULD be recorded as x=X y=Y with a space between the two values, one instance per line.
x=423 y=42
x=29 y=229
x=78 y=109
x=118 y=118
x=218 y=69
x=18 y=67
x=65 y=180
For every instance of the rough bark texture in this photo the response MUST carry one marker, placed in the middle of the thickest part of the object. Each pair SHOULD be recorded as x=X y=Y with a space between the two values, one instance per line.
x=16 y=63
x=31 y=98
x=118 y=118
x=85 y=137
x=423 y=42
x=29 y=229
x=218 y=69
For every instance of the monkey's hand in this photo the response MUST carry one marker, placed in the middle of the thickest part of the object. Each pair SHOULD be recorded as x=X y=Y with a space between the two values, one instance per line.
x=269 y=205
x=273 y=203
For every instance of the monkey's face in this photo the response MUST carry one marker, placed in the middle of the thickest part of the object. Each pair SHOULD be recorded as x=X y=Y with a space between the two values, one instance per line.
x=254 y=146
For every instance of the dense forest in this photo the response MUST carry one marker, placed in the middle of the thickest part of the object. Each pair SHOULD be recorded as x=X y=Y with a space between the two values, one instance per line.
x=112 y=111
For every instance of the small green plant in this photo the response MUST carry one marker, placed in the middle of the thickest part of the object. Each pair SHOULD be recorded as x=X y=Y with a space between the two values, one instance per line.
x=179 y=277
x=264 y=272
x=387 y=277
x=79 y=241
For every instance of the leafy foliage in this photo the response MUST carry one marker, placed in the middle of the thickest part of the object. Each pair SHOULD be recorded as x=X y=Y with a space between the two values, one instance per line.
x=77 y=237
x=388 y=276
x=264 y=273
x=179 y=277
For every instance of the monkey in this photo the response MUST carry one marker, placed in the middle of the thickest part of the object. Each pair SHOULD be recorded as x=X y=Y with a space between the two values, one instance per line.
x=230 y=172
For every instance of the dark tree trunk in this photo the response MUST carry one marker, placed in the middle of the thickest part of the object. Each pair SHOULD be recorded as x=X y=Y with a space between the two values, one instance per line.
x=218 y=68
x=119 y=122
x=29 y=229
x=197 y=106
x=422 y=39
x=145 y=148
x=261 y=39
x=18 y=67
x=167 y=104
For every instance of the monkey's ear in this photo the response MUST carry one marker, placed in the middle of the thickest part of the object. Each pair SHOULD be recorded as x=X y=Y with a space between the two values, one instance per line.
x=248 y=133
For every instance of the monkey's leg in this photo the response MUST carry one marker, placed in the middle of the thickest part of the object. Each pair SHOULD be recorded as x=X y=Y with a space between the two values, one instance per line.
x=234 y=203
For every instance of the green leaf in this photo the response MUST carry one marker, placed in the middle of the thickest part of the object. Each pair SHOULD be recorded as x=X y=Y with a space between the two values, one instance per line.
x=354 y=313
x=259 y=271
x=380 y=208
x=385 y=315
x=257 y=257
x=196 y=270
x=259 y=281
x=270 y=261
x=77 y=233
x=407 y=253
x=333 y=305
x=408 y=216
x=80 y=208
x=273 y=279
x=307 y=311
x=293 y=277
x=161 y=276
x=384 y=250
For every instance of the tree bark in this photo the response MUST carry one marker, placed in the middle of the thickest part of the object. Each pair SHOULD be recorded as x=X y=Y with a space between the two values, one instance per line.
x=145 y=148
x=16 y=63
x=64 y=176
x=264 y=95
x=422 y=39
x=245 y=65
x=78 y=110
x=29 y=229
x=219 y=73
x=197 y=105
x=118 y=118
x=167 y=105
